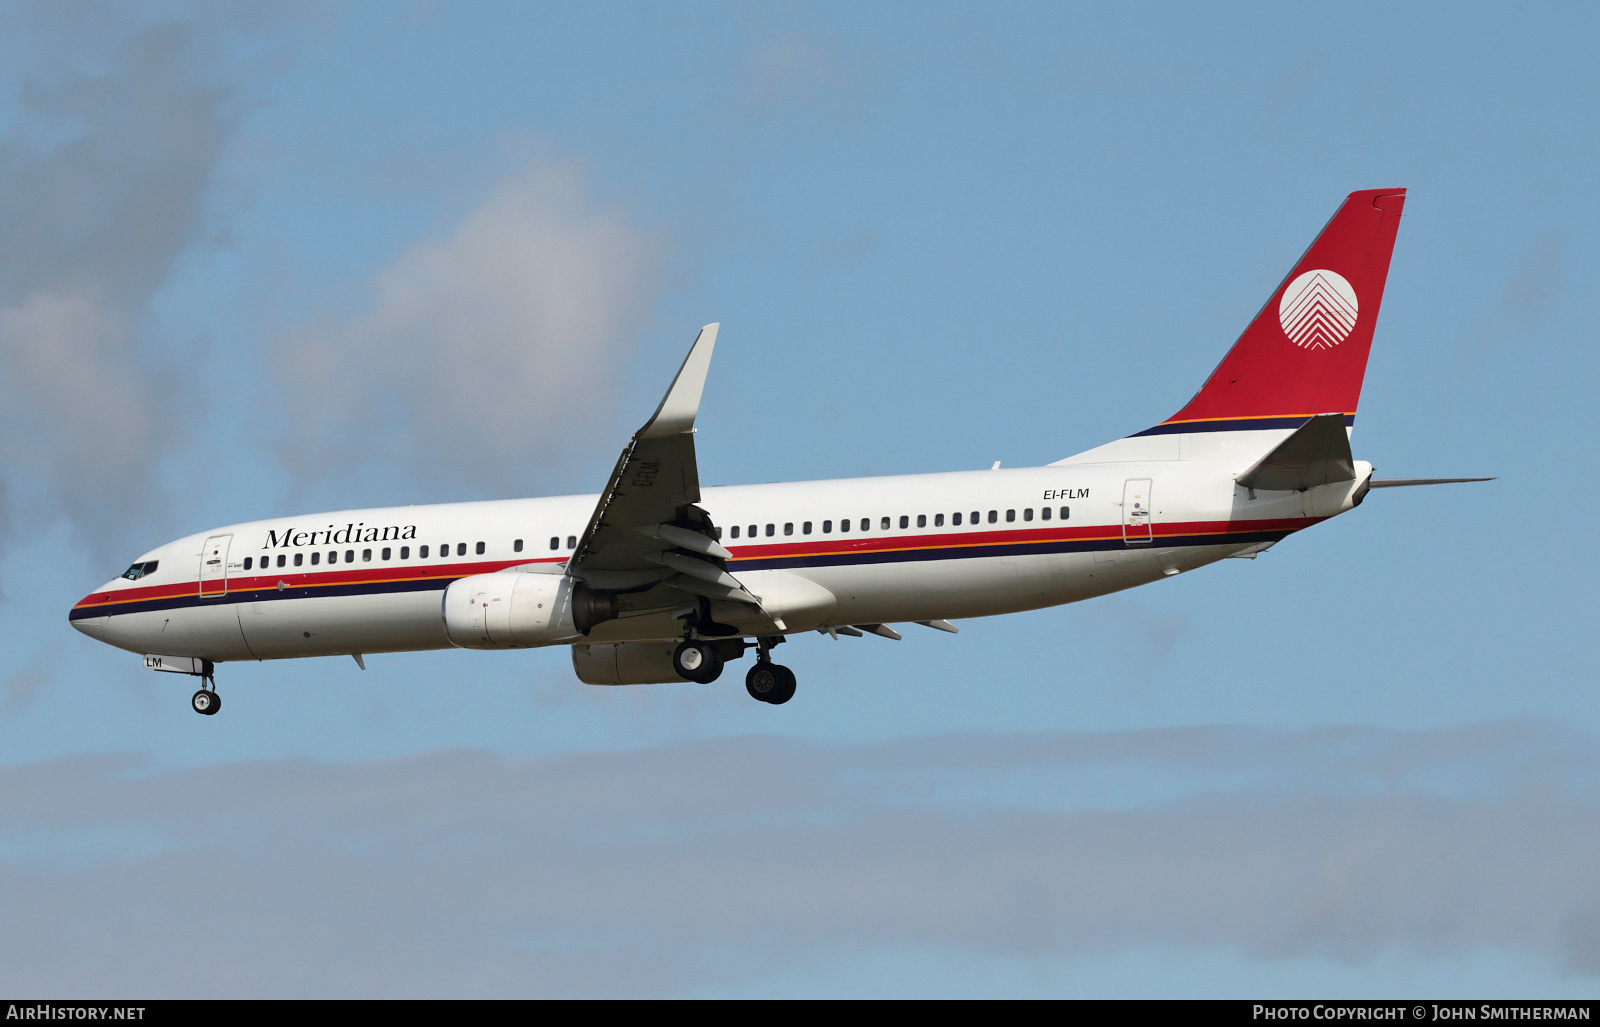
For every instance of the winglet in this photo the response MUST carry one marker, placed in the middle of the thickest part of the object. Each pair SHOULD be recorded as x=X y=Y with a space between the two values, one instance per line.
x=678 y=407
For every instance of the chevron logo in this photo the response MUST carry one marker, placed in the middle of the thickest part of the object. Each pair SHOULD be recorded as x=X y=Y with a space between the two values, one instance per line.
x=1318 y=310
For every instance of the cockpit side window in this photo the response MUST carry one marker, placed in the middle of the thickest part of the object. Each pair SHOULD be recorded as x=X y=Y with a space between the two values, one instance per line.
x=139 y=570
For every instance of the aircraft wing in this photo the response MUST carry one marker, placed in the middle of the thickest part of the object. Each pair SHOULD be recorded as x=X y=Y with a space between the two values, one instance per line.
x=647 y=529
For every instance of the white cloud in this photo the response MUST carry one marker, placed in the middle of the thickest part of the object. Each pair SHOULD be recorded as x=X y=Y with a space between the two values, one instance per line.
x=82 y=412
x=484 y=352
x=118 y=123
x=460 y=873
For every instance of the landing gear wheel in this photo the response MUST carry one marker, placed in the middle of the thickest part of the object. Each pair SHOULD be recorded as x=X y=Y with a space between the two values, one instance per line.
x=786 y=683
x=697 y=661
x=762 y=680
x=770 y=682
x=206 y=702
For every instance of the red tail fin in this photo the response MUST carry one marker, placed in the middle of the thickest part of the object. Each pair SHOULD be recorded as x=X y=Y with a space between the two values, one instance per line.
x=1306 y=351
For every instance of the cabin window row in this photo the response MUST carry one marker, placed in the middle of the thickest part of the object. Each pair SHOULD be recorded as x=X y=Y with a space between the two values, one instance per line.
x=387 y=553
x=887 y=523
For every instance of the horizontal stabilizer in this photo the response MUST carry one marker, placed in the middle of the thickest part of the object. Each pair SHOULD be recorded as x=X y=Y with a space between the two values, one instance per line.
x=1318 y=453
x=1396 y=483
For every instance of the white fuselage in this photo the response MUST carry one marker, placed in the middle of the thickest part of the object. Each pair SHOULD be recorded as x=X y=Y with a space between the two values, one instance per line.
x=369 y=581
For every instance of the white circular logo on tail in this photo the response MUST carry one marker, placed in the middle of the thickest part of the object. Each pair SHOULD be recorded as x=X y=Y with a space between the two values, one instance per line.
x=1318 y=309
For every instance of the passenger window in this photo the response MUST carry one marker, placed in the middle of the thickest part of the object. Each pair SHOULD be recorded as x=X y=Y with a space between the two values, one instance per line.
x=297 y=558
x=866 y=524
x=718 y=533
x=753 y=533
x=422 y=552
x=247 y=563
x=572 y=542
x=1027 y=514
x=922 y=520
x=444 y=550
x=1044 y=513
x=905 y=522
x=480 y=548
x=516 y=547
x=805 y=529
x=885 y=524
x=405 y=552
x=280 y=559
x=771 y=530
x=350 y=555
x=938 y=520
x=387 y=553
x=844 y=525
x=555 y=543
x=827 y=527
x=788 y=528
x=366 y=556
x=461 y=549
x=955 y=519
x=994 y=515
x=735 y=531
x=316 y=558
x=1065 y=512
x=975 y=517
x=1011 y=515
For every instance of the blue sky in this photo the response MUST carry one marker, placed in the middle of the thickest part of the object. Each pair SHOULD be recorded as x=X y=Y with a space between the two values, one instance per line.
x=268 y=260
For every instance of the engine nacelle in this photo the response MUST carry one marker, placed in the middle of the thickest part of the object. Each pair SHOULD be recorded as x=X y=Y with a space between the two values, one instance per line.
x=520 y=610
x=625 y=663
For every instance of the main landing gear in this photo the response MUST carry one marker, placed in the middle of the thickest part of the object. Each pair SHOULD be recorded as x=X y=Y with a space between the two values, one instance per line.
x=698 y=661
x=767 y=681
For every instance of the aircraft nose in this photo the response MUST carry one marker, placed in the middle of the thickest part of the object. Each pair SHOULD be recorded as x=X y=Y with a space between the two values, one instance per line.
x=88 y=615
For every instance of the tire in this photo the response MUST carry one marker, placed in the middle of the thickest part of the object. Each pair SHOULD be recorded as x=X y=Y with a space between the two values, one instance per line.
x=206 y=703
x=698 y=662
x=763 y=680
x=786 y=686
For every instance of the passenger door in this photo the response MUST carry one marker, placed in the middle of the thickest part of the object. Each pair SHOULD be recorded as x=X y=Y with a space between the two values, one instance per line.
x=1137 y=516
x=214 y=567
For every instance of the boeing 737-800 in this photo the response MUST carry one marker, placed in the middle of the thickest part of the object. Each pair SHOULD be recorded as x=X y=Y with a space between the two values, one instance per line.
x=656 y=580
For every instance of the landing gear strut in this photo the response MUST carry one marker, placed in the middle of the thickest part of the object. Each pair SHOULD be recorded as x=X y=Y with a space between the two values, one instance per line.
x=767 y=681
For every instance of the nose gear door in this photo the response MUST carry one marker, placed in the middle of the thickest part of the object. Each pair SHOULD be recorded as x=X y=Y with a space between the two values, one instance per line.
x=1137 y=516
x=214 y=567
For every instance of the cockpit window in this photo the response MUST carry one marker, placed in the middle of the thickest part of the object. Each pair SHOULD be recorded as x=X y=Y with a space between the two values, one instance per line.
x=139 y=570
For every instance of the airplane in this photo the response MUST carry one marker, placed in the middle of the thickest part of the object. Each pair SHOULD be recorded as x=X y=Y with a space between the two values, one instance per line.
x=657 y=580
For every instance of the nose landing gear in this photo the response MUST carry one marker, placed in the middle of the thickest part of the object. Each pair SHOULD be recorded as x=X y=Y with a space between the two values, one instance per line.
x=767 y=681
x=206 y=701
